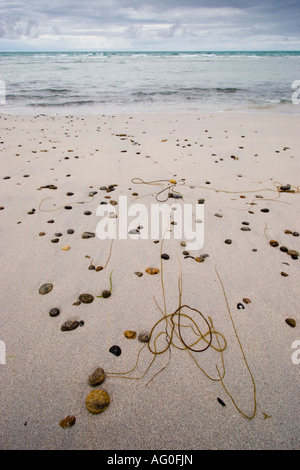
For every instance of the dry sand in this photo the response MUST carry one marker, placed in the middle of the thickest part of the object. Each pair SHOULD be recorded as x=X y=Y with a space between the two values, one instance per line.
x=46 y=371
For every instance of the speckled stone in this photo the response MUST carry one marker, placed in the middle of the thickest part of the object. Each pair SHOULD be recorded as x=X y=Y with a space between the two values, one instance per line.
x=86 y=298
x=97 y=401
x=130 y=334
x=67 y=422
x=97 y=377
x=70 y=325
x=45 y=289
x=144 y=337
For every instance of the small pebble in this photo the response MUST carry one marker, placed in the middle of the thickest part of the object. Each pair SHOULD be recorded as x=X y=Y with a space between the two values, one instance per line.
x=97 y=401
x=274 y=243
x=69 y=325
x=265 y=210
x=247 y=301
x=97 y=377
x=116 y=350
x=199 y=259
x=87 y=213
x=228 y=241
x=130 y=334
x=138 y=274
x=55 y=240
x=152 y=270
x=66 y=248
x=165 y=256
x=284 y=249
x=284 y=274
x=296 y=234
x=240 y=306
x=45 y=289
x=54 y=312
x=87 y=235
x=144 y=337
x=86 y=298
x=67 y=422
x=291 y=322
x=70 y=231
x=99 y=268
x=68 y=207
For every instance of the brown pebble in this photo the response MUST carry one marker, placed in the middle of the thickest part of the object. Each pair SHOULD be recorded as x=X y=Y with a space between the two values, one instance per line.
x=97 y=377
x=99 y=268
x=274 y=243
x=291 y=322
x=284 y=274
x=67 y=422
x=247 y=301
x=97 y=401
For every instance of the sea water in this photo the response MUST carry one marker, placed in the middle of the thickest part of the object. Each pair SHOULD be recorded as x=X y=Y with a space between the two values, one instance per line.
x=142 y=82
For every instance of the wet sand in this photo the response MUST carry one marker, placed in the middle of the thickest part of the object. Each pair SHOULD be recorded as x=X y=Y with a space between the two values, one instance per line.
x=236 y=163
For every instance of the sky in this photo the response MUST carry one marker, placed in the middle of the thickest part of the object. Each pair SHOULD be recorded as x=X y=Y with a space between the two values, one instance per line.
x=156 y=25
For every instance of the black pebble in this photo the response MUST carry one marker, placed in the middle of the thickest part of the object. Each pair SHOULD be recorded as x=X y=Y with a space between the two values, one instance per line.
x=221 y=402
x=240 y=306
x=50 y=222
x=54 y=312
x=68 y=207
x=58 y=234
x=70 y=231
x=87 y=213
x=115 y=350
x=70 y=194
x=265 y=210
x=165 y=256
x=228 y=241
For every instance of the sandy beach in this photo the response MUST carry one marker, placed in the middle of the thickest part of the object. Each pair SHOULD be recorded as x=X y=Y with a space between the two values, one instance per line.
x=235 y=164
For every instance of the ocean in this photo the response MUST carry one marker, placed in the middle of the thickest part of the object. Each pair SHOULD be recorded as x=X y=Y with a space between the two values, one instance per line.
x=143 y=82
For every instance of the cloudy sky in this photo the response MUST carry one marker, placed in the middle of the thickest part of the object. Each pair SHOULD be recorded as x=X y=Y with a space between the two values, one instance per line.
x=32 y=25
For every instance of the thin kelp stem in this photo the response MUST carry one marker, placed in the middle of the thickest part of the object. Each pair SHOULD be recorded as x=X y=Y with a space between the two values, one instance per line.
x=243 y=354
x=62 y=207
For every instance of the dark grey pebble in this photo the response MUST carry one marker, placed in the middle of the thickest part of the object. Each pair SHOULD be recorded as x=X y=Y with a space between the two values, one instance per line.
x=185 y=253
x=245 y=223
x=55 y=240
x=70 y=194
x=70 y=231
x=265 y=210
x=87 y=213
x=144 y=337
x=246 y=229
x=50 y=221
x=228 y=241
x=116 y=350
x=86 y=235
x=165 y=256
x=296 y=234
x=201 y=201
x=86 y=298
x=58 y=234
x=91 y=267
x=54 y=312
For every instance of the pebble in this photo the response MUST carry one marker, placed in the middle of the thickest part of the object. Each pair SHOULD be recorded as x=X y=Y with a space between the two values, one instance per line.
x=50 y=221
x=130 y=334
x=70 y=325
x=296 y=234
x=41 y=234
x=67 y=422
x=138 y=274
x=288 y=232
x=55 y=240
x=68 y=207
x=86 y=235
x=58 y=234
x=218 y=215
x=201 y=201
x=284 y=274
x=152 y=270
x=144 y=337
x=70 y=194
x=106 y=294
x=183 y=243
x=199 y=259
x=97 y=377
x=285 y=188
x=87 y=213
x=70 y=231
x=66 y=248
x=165 y=256
x=86 y=298
x=240 y=306
x=45 y=289
x=265 y=210
x=116 y=350
x=99 y=268
x=97 y=401
x=54 y=312
x=228 y=241
x=246 y=229
x=247 y=301
x=284 y=249
x=274 y=243
x=293 y=252
x=91 y=267
x=291 y=322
